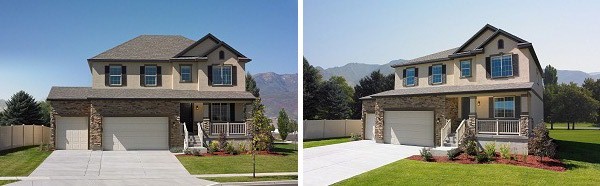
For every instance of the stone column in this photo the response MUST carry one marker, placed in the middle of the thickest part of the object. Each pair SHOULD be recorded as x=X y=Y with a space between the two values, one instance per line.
x=363 y=122
x=95 y=129
x=524 y=125
x=52 y=142
x=378 y=123
x=249 y=126
x=472 y=121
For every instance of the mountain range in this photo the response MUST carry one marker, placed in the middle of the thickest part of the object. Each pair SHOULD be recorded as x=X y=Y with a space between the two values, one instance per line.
x=353 y=72
x=278 y=91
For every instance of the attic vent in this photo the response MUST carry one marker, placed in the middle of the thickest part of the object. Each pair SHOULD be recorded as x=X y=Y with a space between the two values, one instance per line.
x=221 y=55
x=500 y=44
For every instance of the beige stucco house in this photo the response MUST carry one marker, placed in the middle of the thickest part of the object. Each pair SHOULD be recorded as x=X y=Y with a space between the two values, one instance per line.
x=154 y=92
x=491 y=84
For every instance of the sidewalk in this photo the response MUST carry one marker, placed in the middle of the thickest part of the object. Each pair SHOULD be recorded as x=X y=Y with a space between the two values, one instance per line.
x=246 y=174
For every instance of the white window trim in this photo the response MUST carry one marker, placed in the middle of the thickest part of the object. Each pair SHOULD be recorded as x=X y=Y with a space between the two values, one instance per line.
x=182 y=73
x=155 y=76
x=501 y=66
x=221 y=67
x=433 y=75
x=413 y=77
x=513 y=108
x=470 y=68
x=226 y=117
x=119 y=75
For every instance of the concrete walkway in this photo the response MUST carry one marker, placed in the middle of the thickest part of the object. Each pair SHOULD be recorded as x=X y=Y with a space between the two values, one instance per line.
x=329 y=164
x=111 y=168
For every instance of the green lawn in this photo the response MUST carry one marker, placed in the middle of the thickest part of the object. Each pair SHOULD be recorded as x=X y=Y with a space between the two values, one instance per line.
x=251 y=179
x=323 y=142
x=579 y=149
x=21 y=161
x=4 y=182
x=243 y=163
x=564 y=125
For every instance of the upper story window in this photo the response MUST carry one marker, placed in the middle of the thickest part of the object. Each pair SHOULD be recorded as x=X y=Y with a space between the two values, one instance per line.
x=220 y=112
x=436 y=74
x=221 y=55
x=410 y=77
x=502 y=66
x=465 y=68
x=504 y=107
x=186 y=73
x=221 y=75
x=115 y=75
x=500 y=44
x=151 y=75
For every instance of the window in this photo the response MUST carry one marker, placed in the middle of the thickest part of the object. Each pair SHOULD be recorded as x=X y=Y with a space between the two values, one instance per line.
x=504 y=107
x=465 y=68
x=500 y=44
x=150 y=76
x=115 y=75
x=410 y=77
x=221 y=75
x=221 y=55
x=220 y=112
x=502 y=66
x=186 y=73
x=436 y=72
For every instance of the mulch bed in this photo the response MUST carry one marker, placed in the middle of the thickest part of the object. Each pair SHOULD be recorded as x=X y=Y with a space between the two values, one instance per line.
x=227 y=154
x=532 y=161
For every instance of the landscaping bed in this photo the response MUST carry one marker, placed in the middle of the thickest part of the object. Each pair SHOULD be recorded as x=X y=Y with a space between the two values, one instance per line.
x=532 y=161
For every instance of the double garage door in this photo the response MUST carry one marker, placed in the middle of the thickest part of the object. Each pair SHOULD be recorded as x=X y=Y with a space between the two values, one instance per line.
x=408 y=128
x=119 y=133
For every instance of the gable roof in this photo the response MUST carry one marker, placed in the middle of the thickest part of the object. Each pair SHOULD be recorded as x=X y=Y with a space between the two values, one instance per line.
x=481 y=31
x=190 y=47
x=504 y=33
x=146 y=47
x=219 y=44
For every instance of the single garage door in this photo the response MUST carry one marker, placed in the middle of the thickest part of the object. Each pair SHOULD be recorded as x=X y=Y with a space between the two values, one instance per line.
x=135 y=133
x=72 y=133
x=408 y=128
x=370 y=127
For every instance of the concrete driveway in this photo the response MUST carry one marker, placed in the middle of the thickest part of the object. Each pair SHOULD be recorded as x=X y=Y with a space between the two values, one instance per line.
x=329 y=164
x=111 y=168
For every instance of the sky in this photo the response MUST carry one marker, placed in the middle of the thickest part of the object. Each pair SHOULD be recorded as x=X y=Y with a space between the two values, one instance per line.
x=47 y=43
x=564 y=33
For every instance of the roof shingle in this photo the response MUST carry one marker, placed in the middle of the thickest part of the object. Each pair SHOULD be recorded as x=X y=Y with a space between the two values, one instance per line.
x=147 y=47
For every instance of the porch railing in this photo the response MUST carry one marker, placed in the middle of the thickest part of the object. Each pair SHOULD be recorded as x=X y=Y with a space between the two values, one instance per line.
x=228 y=128
x=460 y=131
x=186 y=140
x=498 y=127
x=445 y=131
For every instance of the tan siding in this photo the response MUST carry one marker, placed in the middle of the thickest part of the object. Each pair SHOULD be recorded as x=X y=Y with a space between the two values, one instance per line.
x=230 y=59
x=479 y=40
x=201 y=48
x=133 y=74
x=177 y=85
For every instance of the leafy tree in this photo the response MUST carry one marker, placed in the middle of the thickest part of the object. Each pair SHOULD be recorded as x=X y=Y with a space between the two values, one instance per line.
x=283 y=122
x=594 y=87
x=550 y=92
x=45 y=110
x=333 y=101
x=22 y=109
x=251 y=85
x=262 y=138
x=573 y=104
x=311 y=84
x=369 y=85
x=293 y=125
x=550 y=76
x=540 y=144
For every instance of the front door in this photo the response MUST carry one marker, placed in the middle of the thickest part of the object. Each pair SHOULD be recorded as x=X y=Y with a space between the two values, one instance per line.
x=187 y=116
x=466 y=106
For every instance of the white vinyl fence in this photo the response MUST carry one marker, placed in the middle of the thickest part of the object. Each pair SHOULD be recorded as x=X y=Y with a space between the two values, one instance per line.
x=316 y=129
x=23 y=135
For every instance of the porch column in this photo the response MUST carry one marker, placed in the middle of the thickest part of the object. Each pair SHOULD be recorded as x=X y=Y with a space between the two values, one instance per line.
x=471 y=122
x=524 y=120
x=206 y=126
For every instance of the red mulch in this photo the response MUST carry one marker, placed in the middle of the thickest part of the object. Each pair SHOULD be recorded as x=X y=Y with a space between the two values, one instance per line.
x=226 y=154
x=532 y=161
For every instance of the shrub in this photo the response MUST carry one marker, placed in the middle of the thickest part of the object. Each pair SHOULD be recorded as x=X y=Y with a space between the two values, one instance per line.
x=222 y=141
x=426 y=154
x=481 y=158
x=213 y=146
x=229 y=149
x=354 y=137
x=242 y=146
x=453 y=153
x=470 y=148
x=490 y=150
x=541 y=144
x=176 y=149
x=44 y=147
x=196 y=152
x=505 y=151
x=468 y=143
x=187 y=152
x=525 y=157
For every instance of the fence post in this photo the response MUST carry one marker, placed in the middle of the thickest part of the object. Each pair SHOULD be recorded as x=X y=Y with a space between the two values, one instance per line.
x=323 y=131
x=497 y=123
x=11 y=135
x=346 y=127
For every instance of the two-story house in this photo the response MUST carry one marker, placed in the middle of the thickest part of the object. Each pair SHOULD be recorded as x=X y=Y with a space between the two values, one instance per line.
x=150 y=91
x=492 y=85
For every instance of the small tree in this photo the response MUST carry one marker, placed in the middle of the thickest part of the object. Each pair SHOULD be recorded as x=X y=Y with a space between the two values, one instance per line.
x=541 y=144
x=22 y=109
x=45 y=110
x=293 y=125
x=283 y=122
x=262 y=139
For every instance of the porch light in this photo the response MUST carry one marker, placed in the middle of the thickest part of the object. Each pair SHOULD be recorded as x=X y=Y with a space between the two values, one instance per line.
x=197 y=107
x=478 y=104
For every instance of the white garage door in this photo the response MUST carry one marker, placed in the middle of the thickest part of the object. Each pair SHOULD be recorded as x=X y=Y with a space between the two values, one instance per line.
x=408 y=128
x=72 y=133
x=370 y=127
x=135 y=133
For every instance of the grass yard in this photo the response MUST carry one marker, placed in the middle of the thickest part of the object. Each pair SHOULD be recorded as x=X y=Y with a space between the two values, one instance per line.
x=251 y=179
x=564 y=125
x=323 y=142
x=4 y=182
x=243 y=163
x=579 y=149
x=21 y=161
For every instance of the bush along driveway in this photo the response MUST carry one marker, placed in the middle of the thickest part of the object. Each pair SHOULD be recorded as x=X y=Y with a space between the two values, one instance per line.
x=287 y=161
x=21 y=161
x=578 y=149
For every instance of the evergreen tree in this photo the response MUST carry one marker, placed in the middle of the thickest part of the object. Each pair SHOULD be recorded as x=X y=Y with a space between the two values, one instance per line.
x=293 y=125
x=550 y=76
x=251 y=85
x=334 y=104
x=45 y=110
x=22 y=109
x=369 y=85
x=311 y=84
x=283 y=124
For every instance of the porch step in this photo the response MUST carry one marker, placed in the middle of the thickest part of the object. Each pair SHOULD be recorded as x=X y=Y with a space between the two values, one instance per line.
x=441 y=151
x=450 y=141
x=201 y=149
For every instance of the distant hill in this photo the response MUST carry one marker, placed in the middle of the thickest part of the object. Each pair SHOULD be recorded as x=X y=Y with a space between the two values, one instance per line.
x=576 y=76
x=278 y=91
x=353 y=72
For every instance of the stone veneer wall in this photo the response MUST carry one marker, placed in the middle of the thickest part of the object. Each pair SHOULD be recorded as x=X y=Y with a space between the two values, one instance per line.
x=419 y=103
x=452 y=112
x=66 y=109
x=368 y=106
